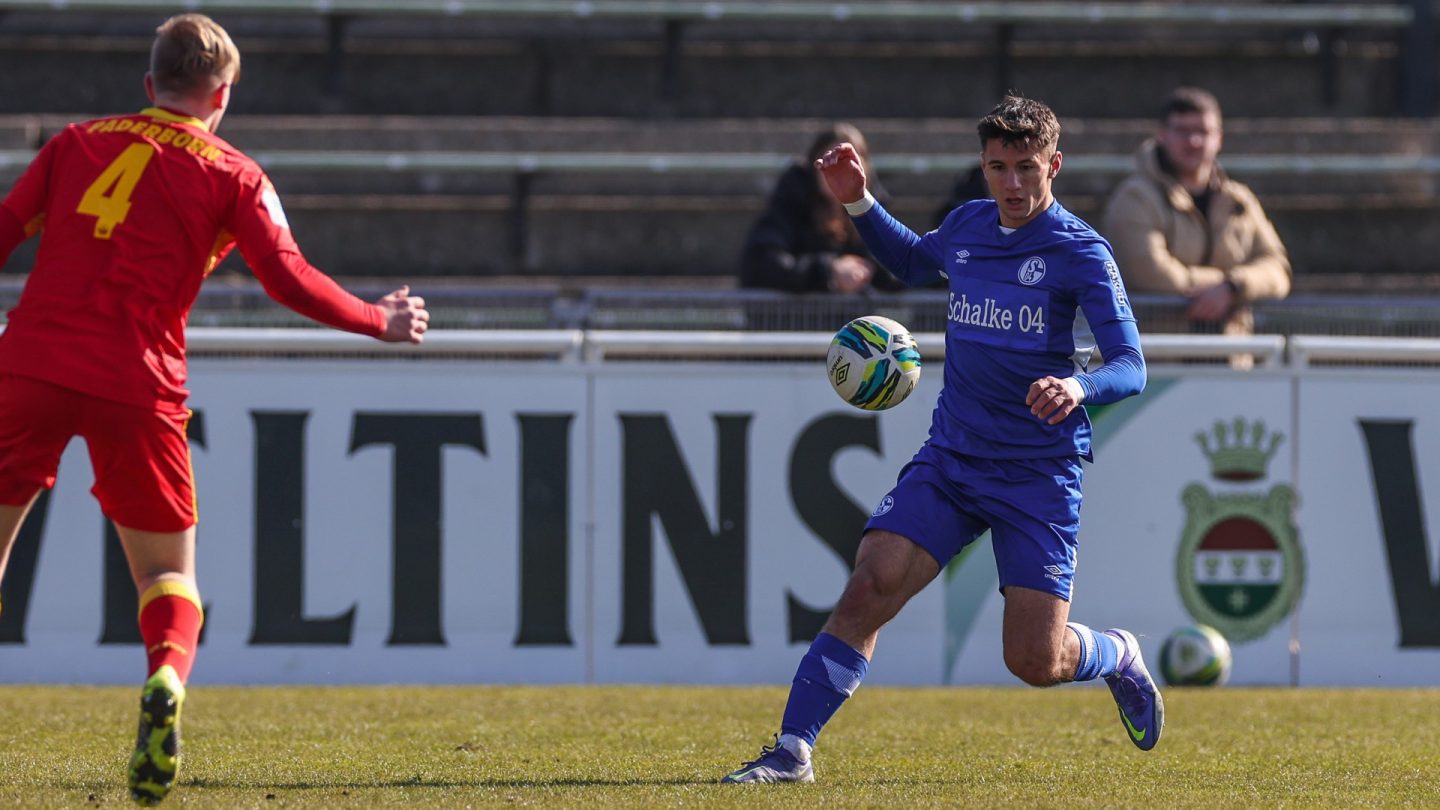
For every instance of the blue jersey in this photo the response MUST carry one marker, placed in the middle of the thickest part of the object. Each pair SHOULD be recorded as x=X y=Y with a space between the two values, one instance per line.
x=1015 y=301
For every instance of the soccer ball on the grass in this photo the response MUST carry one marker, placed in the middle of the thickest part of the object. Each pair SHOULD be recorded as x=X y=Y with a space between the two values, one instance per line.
x=1195 y=656
x=873 y=363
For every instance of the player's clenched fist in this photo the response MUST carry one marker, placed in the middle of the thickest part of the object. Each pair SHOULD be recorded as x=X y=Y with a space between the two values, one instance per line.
x=1054 y=398
x=406 y=318
x=843 y=172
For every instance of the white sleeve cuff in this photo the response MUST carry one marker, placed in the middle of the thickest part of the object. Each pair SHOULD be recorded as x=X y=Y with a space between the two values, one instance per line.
x=861 y=205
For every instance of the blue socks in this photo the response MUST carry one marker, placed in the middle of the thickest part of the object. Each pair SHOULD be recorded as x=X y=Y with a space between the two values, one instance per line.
x=832 y=670
x=828 y=674
x=1099 y=653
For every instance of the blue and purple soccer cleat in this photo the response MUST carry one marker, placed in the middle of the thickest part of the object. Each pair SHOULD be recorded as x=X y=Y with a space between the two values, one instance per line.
x=776 y=763
x=1141 y=708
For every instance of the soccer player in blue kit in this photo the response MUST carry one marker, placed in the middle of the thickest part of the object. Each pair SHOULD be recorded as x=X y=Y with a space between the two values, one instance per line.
x=1006 y=439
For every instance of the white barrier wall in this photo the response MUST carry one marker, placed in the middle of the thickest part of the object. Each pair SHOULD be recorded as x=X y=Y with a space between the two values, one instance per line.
x=488 y=521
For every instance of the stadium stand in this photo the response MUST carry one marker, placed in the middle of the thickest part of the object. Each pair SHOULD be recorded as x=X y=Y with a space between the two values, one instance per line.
x=692 y=58
x=527 y=144
x=485 y=197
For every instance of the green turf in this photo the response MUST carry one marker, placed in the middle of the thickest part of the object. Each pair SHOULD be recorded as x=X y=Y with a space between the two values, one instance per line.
x=667 y=746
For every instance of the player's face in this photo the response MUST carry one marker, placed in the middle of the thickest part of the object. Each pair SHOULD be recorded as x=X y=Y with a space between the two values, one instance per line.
x=1019 y=178
x=1191 y=140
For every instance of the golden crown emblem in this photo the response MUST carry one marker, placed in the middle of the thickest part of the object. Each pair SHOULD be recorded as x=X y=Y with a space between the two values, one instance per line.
x=1238 y=451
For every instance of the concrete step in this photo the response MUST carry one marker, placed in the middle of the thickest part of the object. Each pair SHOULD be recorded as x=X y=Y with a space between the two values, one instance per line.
x=731 y=70
x=521 y=135
x=701 y=235
x=1292 y=134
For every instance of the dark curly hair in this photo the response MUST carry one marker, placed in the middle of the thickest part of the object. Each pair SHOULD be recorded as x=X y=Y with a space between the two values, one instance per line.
x=1020 y=121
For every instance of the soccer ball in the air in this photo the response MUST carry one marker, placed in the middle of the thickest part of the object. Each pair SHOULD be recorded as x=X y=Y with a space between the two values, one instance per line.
x=873 y=363
x=1195 y=656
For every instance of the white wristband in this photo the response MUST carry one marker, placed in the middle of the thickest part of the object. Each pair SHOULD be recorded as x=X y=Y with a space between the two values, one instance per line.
x=861 y=205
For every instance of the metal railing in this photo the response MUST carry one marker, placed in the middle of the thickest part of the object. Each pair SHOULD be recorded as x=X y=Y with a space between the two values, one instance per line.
x=1311 y=350
x=219 y=341
x=597 y=345
x=524 y=310
x=1270 y=351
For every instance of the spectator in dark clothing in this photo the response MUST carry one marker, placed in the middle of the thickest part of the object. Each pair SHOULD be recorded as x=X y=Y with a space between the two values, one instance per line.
x=970 y=187
x=804 y=241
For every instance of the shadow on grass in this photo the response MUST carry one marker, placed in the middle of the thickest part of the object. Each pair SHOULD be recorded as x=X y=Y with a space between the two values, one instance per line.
x=394 y=784
x=202 y=784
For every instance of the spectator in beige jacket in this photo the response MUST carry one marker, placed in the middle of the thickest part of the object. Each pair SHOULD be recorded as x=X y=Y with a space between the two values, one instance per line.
x=1180 y=225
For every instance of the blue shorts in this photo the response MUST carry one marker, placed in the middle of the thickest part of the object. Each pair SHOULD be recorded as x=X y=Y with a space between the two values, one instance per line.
x=944 y=500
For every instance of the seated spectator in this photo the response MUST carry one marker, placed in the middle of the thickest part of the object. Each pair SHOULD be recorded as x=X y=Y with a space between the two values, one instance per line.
x=971 y=186
x=804 y=241
x=1180 y=225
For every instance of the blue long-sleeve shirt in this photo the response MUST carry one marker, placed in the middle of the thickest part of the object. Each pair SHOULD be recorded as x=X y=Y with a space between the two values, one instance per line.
x=1017 y=302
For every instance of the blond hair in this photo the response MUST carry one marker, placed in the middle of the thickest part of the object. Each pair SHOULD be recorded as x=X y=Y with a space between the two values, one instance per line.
x=192 y=54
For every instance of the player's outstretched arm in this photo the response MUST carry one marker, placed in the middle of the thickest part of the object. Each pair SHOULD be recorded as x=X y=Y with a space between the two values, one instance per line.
x=406 y=319
x=297 y=284
x=890 y=242
x=843 y=172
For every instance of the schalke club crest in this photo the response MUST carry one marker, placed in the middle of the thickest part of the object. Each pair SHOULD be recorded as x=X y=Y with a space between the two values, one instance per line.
x=1240 y=566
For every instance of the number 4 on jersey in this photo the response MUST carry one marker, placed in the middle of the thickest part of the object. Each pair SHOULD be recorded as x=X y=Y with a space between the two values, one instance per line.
x=108 y=198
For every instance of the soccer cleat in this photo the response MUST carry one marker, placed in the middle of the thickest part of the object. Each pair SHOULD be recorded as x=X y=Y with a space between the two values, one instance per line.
x=1141 y=708
x=157 y=748
x=775 y=764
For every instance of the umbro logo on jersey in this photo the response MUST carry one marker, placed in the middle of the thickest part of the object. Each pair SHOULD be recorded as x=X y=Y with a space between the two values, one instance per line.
x=1031 y=270
x=1053 y=572
x=962 y=256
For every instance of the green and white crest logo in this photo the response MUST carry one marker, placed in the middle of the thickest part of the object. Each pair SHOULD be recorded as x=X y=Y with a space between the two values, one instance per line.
x=1240 y=566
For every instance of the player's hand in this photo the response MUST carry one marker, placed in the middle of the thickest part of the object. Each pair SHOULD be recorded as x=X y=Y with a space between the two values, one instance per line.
x=1212 y=304
x=843 y=172
x=406 y=318
x=1054 y=398
x=850 y=274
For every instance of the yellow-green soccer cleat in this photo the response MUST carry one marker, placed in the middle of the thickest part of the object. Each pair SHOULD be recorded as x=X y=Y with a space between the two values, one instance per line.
x=157 y=748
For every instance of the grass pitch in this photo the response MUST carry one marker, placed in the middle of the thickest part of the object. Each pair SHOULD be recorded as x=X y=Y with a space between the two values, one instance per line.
x=667 y=746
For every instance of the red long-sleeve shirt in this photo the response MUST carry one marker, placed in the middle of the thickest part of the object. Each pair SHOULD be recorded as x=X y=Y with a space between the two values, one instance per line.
x=134 y=212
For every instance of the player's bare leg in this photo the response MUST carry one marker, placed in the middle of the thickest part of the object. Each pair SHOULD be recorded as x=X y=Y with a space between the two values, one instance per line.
x=889 y=570
x=12 y=517
x=1043 y=649
x=1039 y=649
x=163 y=567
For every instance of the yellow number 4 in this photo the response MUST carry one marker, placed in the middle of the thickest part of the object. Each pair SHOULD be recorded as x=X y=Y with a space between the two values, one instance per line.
x=108 y=198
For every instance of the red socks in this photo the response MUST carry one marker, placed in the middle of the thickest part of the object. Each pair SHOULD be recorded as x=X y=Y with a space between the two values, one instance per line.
x=170 y=619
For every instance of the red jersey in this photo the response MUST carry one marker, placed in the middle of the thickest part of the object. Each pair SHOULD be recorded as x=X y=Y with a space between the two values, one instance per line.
x=135 y=211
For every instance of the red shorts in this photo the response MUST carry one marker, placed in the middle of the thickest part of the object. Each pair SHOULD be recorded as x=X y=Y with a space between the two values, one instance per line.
x=141 y=456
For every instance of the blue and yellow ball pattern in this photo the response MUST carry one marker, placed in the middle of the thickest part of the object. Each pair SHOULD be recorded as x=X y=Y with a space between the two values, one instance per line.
x=1197 y=655
x=873 y=363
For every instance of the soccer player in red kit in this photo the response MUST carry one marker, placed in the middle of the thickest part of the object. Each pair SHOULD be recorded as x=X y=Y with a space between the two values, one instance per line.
x=134 y=212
